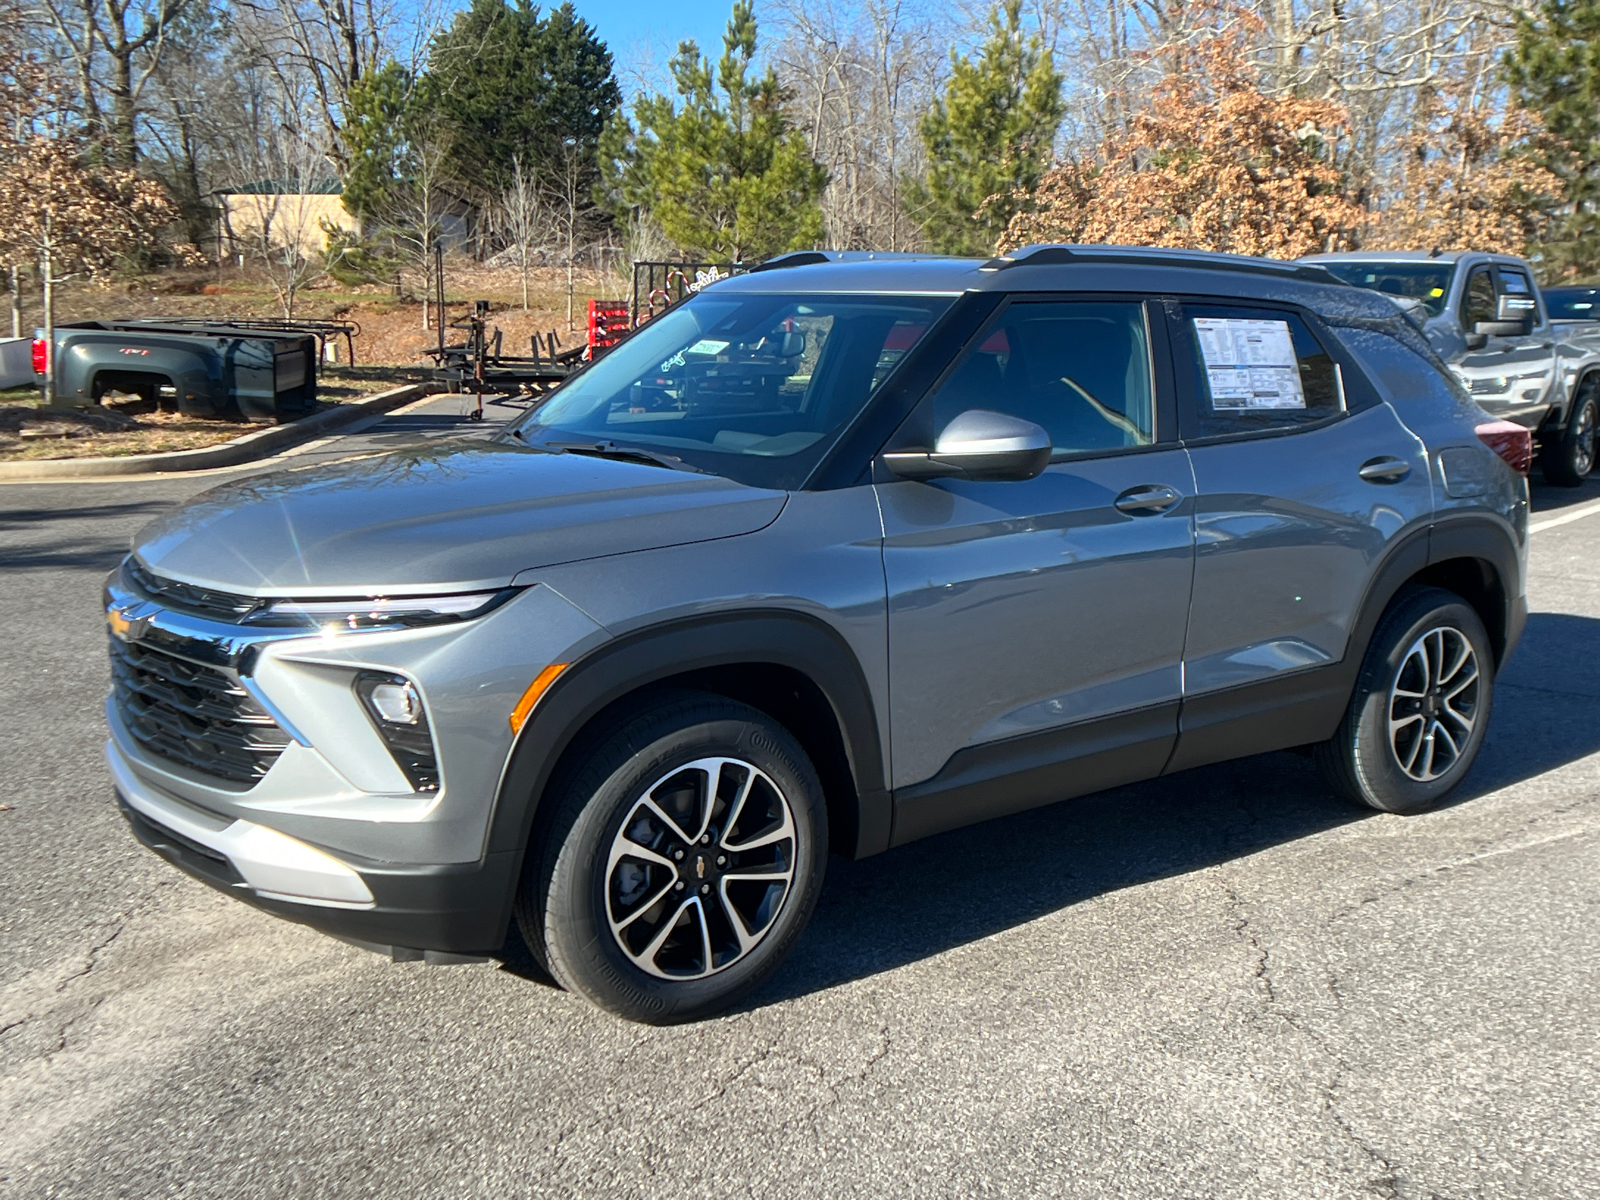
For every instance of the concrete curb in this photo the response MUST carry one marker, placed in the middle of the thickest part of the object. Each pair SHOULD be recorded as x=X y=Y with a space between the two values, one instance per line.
x=248 y=448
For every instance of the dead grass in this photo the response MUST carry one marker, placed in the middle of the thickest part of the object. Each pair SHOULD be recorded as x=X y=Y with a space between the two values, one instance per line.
x=27 y=432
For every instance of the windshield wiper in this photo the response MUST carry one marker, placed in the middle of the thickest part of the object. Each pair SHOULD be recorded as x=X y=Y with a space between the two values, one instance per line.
x=624 y=454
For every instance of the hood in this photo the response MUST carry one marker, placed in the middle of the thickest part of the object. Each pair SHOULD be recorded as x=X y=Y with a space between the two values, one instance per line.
x=458 y=517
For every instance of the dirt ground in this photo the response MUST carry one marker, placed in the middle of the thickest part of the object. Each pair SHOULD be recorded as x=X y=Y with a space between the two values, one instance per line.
x=389 y=350
x=392 y=329
x=29 y=432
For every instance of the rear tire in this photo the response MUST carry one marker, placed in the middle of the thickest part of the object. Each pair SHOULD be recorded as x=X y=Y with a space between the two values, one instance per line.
x=1568 y=461
x=1420 y=707
x=685 y=856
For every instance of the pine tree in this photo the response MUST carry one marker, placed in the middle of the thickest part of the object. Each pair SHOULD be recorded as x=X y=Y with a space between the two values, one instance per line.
x=988 y=137
x=1555 y=70
x=724 y=174
x=374 y=140
x=511 y=85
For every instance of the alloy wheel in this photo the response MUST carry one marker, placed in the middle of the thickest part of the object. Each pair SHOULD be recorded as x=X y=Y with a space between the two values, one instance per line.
x=1584 y=440
x=700 y=868
x=1433 y=703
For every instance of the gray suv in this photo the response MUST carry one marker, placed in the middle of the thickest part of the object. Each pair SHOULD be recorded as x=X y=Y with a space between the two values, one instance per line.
x=839 y=554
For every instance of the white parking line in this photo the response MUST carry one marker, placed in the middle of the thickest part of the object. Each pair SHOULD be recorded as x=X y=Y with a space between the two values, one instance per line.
x=1577 y=514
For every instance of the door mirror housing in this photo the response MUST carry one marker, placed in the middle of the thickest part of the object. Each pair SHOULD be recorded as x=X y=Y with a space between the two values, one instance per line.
x=1477 y=341
x=1490 y=329
x=1520 y=309
x=979 y=444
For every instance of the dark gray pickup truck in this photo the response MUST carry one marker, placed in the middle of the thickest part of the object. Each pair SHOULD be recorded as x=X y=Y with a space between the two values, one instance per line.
x=214 y=371
x=1485 y=316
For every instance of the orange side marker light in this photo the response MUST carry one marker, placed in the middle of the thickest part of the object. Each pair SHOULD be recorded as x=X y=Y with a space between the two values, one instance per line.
x=541 y=684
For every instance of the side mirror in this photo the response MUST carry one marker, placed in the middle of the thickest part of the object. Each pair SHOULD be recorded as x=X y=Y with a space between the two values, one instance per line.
x=1477 y=341
x=978 y=444
x=1501 y=328
x=1520 y=309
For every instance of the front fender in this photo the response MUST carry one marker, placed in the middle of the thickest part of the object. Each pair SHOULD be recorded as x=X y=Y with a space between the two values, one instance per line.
x=616 y=669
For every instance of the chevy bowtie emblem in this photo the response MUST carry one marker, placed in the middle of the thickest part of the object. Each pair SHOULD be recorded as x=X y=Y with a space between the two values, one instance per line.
x=123 y=627
x=700 y=867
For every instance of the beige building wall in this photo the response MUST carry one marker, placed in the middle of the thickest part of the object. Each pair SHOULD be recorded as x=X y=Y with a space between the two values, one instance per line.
x=296 y=217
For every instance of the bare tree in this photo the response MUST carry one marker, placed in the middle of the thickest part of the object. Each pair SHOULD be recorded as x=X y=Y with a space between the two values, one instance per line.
x=571 y=208
x=130 y=37
x=860 y=79
x=522 y=219
x=281 y=219
x=418 y=205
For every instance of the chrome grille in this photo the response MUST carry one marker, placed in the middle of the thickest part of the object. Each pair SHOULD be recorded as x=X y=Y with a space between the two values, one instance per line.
x=193 y=715
x=186 y=597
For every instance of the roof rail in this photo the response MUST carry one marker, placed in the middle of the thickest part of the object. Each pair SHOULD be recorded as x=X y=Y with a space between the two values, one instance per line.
x=1055 y=255
x=797 y=258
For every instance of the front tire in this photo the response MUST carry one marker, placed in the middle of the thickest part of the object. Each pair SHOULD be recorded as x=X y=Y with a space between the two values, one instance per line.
x=1568 y=461
x=686 y=854
x=1421 y=704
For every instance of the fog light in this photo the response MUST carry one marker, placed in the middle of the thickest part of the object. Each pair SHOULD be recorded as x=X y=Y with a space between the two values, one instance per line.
x=395 y=707
x=397 y=703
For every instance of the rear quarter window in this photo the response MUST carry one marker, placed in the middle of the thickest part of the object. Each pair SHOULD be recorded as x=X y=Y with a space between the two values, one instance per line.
x=1411 y=380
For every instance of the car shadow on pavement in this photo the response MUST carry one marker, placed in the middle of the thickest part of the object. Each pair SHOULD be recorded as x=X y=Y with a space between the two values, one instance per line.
x=80 y=553
x=932 y=896
x=1549 y=500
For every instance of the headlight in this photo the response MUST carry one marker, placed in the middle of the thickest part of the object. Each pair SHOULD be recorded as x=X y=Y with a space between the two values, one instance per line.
x=381 y=612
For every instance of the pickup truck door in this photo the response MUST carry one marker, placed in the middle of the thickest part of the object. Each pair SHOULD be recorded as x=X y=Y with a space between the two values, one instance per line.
x=1514 y=376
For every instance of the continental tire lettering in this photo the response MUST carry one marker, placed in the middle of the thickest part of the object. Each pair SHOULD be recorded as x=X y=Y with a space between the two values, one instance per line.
x=633 y=994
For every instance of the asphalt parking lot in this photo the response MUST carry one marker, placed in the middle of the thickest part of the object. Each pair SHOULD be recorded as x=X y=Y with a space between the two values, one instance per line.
x=1220 y=984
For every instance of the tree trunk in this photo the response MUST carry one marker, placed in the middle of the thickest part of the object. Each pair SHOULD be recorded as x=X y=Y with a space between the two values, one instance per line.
x=124 y=153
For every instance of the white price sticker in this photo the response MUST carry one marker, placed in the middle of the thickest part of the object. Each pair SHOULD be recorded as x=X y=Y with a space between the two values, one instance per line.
x=1249 y=364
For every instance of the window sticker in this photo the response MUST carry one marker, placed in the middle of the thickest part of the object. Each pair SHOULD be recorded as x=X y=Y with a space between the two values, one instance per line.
x=1249 y=364
x=703 y=346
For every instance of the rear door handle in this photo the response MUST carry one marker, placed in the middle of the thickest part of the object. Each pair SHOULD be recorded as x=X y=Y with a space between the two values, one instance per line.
x=1386 y=469
x=1147 y=499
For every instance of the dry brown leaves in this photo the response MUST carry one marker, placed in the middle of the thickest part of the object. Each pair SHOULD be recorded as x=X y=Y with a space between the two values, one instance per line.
x=1471 y=180
x=1211 y=164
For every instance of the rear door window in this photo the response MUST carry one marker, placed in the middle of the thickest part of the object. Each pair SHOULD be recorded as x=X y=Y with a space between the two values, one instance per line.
x=1254 y=370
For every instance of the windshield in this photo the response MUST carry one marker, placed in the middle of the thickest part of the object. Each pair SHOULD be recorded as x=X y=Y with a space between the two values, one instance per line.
x=1428 y=282
x=1573 y=303
x=752 y=387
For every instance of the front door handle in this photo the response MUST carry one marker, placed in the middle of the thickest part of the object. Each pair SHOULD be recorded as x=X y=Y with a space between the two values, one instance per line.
x=1386 y=469
x=1147 y=499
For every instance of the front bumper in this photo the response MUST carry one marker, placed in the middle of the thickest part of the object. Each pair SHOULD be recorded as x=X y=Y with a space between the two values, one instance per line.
x=442 y=911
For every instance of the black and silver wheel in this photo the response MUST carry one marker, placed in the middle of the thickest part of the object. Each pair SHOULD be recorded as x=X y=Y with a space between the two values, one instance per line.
x=684 y=860
x=1568 y=460
x=1420 y=707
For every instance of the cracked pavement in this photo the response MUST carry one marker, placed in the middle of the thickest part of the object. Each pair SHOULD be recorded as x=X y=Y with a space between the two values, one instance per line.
x=1221 y=984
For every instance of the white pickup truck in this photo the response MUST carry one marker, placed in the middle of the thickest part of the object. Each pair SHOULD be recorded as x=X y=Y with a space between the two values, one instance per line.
x=1484 y=315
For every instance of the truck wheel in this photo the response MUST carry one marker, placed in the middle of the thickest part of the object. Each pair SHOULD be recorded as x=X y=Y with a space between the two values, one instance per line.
x=1568 y=460
x=1421 y=703
x=684 y=860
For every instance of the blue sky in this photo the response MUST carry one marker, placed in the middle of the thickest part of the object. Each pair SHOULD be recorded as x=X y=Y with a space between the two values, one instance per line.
x=643 y=34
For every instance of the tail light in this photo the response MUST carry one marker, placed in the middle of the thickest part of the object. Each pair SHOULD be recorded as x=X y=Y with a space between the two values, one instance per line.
x=1510 y=441
x=41 y=356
